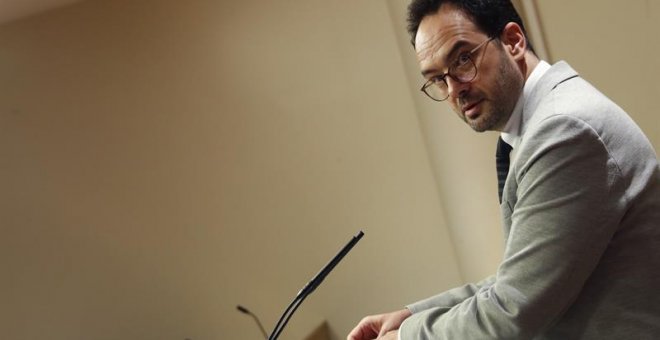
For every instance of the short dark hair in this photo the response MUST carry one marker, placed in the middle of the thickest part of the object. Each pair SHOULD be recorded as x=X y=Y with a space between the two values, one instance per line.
x=490 y=16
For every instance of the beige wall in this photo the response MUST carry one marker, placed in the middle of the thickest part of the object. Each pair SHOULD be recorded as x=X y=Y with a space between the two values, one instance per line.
x=163 y=161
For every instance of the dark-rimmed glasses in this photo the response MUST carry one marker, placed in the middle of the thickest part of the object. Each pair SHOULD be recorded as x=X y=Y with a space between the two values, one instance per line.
x=462 y=70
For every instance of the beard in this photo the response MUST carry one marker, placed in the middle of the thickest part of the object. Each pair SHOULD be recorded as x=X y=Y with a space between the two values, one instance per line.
x=506 y=91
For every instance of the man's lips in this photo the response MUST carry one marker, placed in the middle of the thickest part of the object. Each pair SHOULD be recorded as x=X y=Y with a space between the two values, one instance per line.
x=470 y=109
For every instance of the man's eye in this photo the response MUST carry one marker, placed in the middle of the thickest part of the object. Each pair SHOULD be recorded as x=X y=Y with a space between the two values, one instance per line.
x=438 y=79
x=463 y=59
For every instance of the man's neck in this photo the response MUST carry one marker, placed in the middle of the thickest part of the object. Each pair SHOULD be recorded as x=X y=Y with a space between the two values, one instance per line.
x=530 y=62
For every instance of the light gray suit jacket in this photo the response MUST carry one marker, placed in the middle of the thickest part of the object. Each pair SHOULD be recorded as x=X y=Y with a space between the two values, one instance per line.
x=581 y=218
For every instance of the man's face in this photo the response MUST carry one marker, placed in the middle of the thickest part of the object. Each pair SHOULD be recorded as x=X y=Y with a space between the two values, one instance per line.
x=485 y=103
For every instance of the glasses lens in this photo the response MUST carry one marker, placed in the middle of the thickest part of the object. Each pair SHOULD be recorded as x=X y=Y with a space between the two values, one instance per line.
x=437 y=91
x=465 y=72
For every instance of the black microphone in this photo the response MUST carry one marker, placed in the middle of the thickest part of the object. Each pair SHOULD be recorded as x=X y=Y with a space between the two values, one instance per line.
x=247 y=311
x=311 y=286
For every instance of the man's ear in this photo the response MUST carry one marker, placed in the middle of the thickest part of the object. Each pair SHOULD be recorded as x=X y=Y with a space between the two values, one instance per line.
x=514 y=40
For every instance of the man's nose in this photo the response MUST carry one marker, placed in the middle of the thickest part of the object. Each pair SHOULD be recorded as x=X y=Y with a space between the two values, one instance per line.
x=456 y=89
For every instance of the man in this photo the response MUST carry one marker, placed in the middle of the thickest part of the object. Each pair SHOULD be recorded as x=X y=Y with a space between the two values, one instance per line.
x=580 y=204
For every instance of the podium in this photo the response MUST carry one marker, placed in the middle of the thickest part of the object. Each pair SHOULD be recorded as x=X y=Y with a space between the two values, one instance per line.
x=322 y=332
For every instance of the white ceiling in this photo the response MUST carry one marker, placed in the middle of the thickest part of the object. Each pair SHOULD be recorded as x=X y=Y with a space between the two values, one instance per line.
x=17 y=9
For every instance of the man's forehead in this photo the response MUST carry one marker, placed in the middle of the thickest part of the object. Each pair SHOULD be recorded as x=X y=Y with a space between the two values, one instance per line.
x=437 y=44
x=439 y=31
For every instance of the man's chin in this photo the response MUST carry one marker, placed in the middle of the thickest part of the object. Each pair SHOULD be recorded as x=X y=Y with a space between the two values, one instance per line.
x=485 y=123
x=479 y=126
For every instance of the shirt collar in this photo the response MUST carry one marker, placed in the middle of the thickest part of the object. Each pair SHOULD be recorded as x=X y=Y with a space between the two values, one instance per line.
x=511 y=132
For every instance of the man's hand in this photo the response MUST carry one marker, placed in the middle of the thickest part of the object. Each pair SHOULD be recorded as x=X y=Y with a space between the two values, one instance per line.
x=377 y=326
x=391 y=335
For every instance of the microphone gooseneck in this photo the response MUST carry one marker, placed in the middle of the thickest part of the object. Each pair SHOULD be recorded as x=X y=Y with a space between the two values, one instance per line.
x=256 y=319
x=311 y=286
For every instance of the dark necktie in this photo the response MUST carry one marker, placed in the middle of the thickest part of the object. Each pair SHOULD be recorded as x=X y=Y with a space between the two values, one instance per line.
x=502 y=164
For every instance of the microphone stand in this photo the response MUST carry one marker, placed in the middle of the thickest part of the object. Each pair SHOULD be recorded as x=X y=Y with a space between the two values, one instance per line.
x=256 y=319
x=311 y=286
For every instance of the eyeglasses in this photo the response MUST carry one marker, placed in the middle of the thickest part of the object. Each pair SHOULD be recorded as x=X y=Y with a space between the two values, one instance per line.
x=462 y=70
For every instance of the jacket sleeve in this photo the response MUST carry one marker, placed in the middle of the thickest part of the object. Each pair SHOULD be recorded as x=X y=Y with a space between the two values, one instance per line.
x=451 y=297
x=568 y=207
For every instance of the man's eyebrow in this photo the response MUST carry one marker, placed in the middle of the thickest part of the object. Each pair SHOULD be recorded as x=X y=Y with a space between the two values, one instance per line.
x=454 y=49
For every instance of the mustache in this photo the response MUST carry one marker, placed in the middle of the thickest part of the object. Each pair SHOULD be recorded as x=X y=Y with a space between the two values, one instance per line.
x=468 y=100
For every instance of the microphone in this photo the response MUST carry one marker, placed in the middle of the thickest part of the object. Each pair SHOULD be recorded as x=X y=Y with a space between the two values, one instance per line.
x=311 y=286
x=247 y=311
